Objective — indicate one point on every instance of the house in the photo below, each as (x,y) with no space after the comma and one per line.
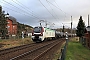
(12,26)
(87,37)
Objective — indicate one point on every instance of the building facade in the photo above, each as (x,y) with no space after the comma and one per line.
(12,26)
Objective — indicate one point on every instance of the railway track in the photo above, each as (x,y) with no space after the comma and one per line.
(35,54)
(7,54)
(8,50)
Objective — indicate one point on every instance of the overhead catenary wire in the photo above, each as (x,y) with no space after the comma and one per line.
(58,8)
(54,12)
(24,6)
(47,9)
(29,13)
(65,16)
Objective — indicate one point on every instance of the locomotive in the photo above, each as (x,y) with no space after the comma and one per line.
(40,34)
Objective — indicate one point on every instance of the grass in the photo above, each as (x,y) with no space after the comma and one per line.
(75,51)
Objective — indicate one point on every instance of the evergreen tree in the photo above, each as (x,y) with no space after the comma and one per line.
(80,28)
(3,23)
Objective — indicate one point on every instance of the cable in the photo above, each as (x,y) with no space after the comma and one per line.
(58,8)
(27,8)
(16,11)
(20,9)
(47,9)
(24,8)
(53,11)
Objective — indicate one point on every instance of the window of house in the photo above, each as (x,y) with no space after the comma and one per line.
(8,26)
(8,22)
(8,31)
(13,26)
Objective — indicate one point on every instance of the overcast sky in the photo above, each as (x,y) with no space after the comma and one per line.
(59,12)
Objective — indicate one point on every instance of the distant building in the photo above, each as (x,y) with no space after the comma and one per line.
(12,26)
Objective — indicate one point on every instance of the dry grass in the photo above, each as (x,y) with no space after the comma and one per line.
(12,43)
(58,53)
(74,39)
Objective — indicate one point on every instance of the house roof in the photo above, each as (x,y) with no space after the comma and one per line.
(13,19)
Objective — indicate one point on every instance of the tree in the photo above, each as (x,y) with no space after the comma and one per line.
(80,28)
(21,27)
(3,23)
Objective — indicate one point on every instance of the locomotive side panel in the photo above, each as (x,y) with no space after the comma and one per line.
(49,33)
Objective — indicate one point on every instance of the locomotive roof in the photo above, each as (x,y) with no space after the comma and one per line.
(43,27)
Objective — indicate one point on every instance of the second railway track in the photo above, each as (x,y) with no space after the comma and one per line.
(38,52)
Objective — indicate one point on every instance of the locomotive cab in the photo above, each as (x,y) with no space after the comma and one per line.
(37,34)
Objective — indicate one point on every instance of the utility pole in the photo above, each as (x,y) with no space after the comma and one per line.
(40,24)
(71,26)
(88,19)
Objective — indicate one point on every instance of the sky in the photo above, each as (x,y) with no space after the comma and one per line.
(55,13)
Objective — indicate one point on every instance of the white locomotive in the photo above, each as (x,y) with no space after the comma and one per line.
(40,34)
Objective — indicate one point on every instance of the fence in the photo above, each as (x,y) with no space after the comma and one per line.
(63,51)
(85,42)
(15,37)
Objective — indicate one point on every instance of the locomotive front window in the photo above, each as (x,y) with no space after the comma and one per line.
(37,29)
